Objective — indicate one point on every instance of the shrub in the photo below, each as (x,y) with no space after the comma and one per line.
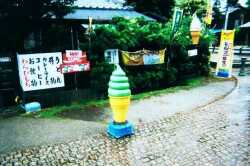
(136,34)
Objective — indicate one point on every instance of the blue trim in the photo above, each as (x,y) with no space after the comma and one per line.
(215,30)
(223,74)
(120,130)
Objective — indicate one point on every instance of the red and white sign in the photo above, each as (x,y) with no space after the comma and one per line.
(75,61)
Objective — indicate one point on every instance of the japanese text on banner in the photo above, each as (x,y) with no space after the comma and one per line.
(40,71)
(225,56)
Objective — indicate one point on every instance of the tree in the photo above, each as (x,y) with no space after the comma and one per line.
(217,4)
(232,2)
(159,9)
(248,4)
(217,15)
(192,6)
(20,17)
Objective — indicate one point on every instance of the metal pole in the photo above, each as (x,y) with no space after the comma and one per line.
(77,41)
(242,67)
(72,37)
(226,18)
(72,46)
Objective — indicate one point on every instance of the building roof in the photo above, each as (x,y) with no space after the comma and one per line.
(102,11)
(102,4)
(246,25)
(103,15)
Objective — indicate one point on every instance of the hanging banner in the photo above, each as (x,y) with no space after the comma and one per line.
(153,57)
(208,18)
(225,55)
(132,58)
(176,19)
(112,56)
(143,57)
(40,71)
(74,61)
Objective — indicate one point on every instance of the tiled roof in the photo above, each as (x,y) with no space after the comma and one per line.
(102,4)
(103,14)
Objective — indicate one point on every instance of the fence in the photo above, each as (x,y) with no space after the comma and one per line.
(239,52)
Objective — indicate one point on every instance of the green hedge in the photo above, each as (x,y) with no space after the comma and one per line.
(136,34)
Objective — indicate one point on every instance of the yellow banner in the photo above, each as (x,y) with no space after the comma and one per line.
(225,55)
(208,18)
(132,58)
(143,57)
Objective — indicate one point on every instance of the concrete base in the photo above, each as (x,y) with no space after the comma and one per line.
(120,130)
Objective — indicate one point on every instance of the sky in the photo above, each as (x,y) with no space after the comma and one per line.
(223,2)
(243,2)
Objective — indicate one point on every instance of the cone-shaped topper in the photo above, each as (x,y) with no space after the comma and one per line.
(118,84)
(195,24)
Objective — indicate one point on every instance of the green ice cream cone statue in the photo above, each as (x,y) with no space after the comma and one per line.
(119,98)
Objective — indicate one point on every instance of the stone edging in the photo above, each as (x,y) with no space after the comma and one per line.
(236,84)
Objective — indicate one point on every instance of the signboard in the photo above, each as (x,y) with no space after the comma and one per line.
(153,57)
(74,61)
(176,19)
(40,71)
(5,59)
(225,55)
(112,56)
(143,57)
(193,52)
(208,18)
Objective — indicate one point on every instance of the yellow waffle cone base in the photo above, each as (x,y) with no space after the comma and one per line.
(119,106)
(195,37)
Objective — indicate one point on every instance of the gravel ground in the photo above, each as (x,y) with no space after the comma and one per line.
(20,132)
(183,101)
(215,135)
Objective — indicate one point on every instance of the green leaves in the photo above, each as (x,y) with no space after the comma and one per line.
(136,34)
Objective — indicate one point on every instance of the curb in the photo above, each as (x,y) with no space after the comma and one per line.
(236,84)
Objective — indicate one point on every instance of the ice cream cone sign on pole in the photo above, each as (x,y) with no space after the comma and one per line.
(119,99)
(195,29)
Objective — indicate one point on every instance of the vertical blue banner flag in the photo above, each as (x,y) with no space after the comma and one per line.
(176,19)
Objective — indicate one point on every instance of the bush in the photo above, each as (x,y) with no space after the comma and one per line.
(136,34)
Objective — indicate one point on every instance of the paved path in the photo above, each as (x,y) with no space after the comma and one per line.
(157,107)
(20,132)
(217,134)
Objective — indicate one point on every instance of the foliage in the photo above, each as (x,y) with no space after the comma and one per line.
(56,111)
(136,34)
(248,4)
(19,18)
(232,2)
(159,9)
(192,6)
(217,17)
(99,78)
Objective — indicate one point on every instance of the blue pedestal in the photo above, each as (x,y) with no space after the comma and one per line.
(223,74)
(120,130)
(32,107)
